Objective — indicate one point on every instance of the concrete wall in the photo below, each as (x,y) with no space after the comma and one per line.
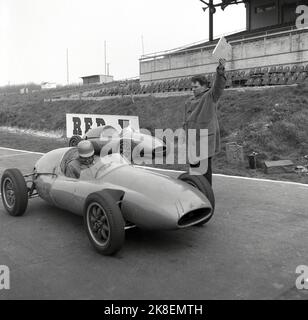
(105,78)
(280,49)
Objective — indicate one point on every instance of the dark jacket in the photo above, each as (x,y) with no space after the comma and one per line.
(201,112)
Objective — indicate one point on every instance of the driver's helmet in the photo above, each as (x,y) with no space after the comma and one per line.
(85,150)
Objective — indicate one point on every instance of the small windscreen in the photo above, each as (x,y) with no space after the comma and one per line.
(70,155)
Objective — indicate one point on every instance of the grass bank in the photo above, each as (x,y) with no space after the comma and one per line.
(273,122)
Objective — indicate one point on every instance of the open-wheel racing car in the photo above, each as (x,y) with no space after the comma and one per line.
(112,196)
(109,135)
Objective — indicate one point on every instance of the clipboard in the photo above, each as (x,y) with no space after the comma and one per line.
(223,50)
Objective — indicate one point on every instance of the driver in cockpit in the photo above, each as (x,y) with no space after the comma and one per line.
(84,161)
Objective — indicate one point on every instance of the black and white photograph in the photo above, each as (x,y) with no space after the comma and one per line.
(154,152)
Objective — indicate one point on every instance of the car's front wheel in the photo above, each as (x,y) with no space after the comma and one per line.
(14,192)
(104,223)
(203,185)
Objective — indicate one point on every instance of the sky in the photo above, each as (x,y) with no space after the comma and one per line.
(35,35)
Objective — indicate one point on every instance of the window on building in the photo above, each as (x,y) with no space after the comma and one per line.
(288,12)
(265,8)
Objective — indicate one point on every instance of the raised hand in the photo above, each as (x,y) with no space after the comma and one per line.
(222,62)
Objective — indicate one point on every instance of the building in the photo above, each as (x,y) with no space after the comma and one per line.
(24,90)
(266,13)
(48,85)
(271,39)
(97,78)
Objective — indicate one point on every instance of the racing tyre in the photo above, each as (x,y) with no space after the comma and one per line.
(14,192)
(74,140)
(203,185)
(104,223)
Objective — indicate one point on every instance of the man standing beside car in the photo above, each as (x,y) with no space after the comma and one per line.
(201,113)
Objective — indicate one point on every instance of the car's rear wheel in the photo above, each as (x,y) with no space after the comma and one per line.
(14,192)
(104,223)
(74,140)
(203,185)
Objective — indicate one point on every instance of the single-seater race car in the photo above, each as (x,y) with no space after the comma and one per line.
(108,135)
(112,195)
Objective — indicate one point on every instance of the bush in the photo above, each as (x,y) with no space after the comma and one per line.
(287,131)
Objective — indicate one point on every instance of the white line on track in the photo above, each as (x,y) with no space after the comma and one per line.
(235,177)
(177,171)
(24,151)
(13,155)
(262,180)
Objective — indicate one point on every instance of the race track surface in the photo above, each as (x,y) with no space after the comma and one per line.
(249,250)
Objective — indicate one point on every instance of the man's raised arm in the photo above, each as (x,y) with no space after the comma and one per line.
(219,82)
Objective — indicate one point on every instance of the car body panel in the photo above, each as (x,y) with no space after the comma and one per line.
(151,199)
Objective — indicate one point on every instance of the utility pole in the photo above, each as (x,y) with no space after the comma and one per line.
(108,68)
(105,57)
(142,44)
(212,10)
(209,4)
(67,68)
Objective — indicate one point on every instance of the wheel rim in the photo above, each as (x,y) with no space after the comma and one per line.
(8,193)
(98,224)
